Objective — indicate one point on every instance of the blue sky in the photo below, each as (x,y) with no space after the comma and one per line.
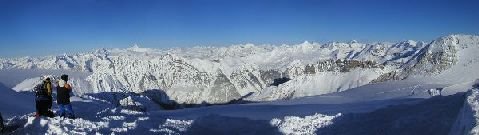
(50,27)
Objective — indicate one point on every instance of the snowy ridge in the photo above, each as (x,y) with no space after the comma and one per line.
(473,102)
(446,52)
(468,118)
(223,74)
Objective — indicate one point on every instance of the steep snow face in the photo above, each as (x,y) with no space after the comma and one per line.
(467,60)
(446,52)
(473,102)
(468,117)
(222,74)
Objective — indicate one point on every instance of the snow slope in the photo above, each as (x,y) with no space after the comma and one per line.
(120,113)
(13,103)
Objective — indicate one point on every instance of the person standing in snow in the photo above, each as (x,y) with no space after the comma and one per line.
(43,99)
(48,86)
(1,123)
(63,97)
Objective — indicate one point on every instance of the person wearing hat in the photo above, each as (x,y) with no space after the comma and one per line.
(63,97)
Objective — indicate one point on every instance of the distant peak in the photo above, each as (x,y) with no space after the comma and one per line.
(308,43)
(135,46)
(101,50)
(353,41)
(411,42)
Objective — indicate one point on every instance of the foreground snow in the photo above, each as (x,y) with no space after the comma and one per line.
(473,102)
(131,113)
(468,118)
(120,113)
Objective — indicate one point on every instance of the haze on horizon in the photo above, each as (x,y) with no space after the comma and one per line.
(36,28)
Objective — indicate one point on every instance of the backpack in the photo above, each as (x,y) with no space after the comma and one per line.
(41,90)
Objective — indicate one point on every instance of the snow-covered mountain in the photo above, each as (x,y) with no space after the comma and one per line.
(310,88)
(222,74)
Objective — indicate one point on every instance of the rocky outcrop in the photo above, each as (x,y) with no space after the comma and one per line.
(437,56)
(394,75)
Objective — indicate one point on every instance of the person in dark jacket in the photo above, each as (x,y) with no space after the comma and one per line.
(63,97)
(43,99)
(1,123)
(48,86)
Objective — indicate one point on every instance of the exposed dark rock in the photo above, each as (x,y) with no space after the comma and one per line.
(279,81)
(270,75)
(389,76)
